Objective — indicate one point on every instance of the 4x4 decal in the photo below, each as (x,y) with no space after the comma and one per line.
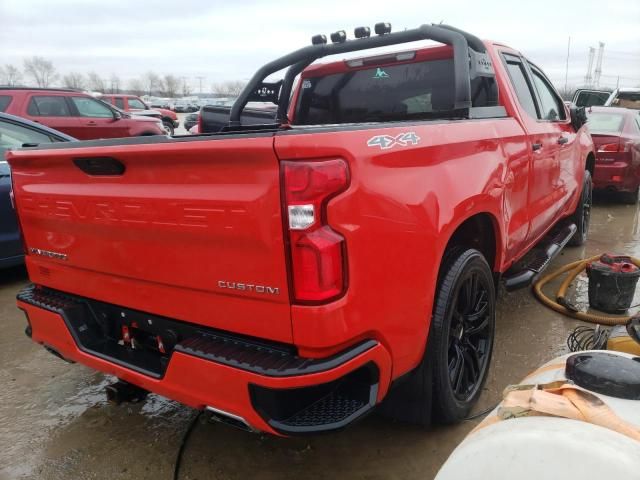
(388,141)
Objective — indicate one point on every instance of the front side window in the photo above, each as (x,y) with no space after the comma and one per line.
(14,136)
(521,85)
(552,107)
(5,100)
(48,106)
(136,104)
(89,107)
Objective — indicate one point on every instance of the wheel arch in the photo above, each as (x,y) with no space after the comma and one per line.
(590,164)
(480,231)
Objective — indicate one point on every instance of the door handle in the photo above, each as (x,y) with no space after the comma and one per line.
(92,123)
(536,146)
(563,140)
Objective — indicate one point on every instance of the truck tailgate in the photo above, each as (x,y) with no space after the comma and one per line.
(190,230)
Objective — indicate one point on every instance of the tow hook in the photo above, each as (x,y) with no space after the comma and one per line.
(121,392)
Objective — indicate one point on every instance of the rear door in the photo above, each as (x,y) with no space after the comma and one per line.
(96,119)
(190,230)
(54,111)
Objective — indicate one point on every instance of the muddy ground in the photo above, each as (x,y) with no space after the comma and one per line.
(56,424)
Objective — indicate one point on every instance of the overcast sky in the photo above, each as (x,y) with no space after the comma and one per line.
(228,40)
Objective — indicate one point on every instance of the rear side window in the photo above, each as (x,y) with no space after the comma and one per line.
(393,92)
(120,103)
(48,106)
(5,100)
(591,98)
(89,107)
(521,85)
(552,106)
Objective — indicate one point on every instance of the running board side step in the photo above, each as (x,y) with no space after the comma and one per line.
(527,272)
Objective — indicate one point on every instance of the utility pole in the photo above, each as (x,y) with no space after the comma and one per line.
(200,80)
(598,72)
(184,85)
(587,78)
(566,70)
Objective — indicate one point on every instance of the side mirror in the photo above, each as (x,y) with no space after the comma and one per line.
(116,115)
(578,117)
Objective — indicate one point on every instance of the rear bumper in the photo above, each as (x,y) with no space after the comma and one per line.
(266,390)
(619,176)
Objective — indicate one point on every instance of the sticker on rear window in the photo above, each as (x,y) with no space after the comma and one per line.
(306,84)
(388,141)
(380,73)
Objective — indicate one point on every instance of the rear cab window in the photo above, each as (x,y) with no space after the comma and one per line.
(419,90)
(48,106)
(119,102)
(5,100)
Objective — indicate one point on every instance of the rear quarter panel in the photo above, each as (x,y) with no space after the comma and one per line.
(397,216)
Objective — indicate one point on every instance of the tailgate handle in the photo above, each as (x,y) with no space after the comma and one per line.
(100,165)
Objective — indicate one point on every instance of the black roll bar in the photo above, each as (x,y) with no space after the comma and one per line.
(299,59)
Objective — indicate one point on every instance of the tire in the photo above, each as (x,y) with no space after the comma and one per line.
(168,126)
(434,391)
(630,198)
(582,216)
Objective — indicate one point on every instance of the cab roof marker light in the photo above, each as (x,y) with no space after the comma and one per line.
(358,62)
(405,56)
(362,32)
(339,37)
(319,39)
(382,28)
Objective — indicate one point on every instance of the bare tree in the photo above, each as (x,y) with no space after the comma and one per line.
(41,70)
(10,76)
(136,87)
(115,83)
(151,82)
(96,83)
(231,87)
(567,92)
(171,85)
(74,80)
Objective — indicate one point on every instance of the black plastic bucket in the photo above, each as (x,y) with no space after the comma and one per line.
(612,283)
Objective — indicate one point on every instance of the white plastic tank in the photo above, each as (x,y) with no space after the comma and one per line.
(550,447)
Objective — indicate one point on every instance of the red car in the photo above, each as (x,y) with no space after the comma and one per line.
(134,104)
(616,136)
(75,113)
(290,275)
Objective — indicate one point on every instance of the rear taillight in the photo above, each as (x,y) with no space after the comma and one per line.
(609,148)
(317,253)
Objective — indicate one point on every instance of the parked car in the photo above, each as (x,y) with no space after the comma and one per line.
(160,103)
(616,136)
(620,97)
(135,105)
(290,276)
(190,120)
(75,113)
(15,132)
(184,106)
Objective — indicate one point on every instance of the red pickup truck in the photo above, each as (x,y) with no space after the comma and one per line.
(134,104)
(291,275)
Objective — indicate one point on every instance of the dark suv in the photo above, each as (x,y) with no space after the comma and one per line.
(75,113)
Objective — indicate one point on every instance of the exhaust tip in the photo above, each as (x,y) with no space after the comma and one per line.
(230,419)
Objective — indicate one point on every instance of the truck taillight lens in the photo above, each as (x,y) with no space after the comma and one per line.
(609,148)
(317,253)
